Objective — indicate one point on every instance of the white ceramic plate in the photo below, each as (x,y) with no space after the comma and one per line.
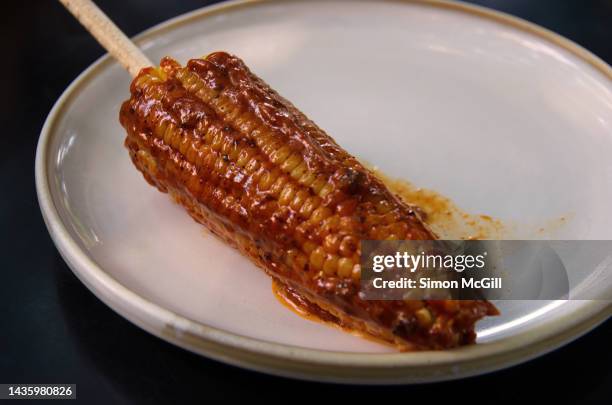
(502,116)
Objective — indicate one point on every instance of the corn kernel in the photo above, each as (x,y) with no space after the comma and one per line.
(317,257)
(331,265)
(345,267)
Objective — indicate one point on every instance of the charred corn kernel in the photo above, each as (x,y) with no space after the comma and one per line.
(161,128)
(356,272)
(317,258)
(345,267)
(330,224)
(372,220)
(331,243)
(280,155)
(320,214)
(414,305)
(252,165)
(286,195)
(451,306)
(233,153)
(309,247)
(299,171)
(150,163)
(168,135)
(325,190)
(209,134)
(383,206)
(266,180)
(377,232)
(291,163)
(217,140)
(309,206)
(330,267)
(307,178)
(346,208)
(347,224)
(349,245)
(268,145)
(246,126)
(278,185)
(223,105)
(424,317)
(243,157)
(318,184)
(300,263)
(298,200)
(290,256)
(192,151)
(227,146)
(140,81)
(220,165)
(389,218)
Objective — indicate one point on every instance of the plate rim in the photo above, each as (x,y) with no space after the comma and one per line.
(293,361)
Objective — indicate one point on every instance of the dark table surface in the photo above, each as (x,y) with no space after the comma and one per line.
(55,330)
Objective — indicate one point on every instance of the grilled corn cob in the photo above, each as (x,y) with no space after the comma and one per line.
(259,174)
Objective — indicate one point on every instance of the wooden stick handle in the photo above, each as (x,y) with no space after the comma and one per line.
(108,35)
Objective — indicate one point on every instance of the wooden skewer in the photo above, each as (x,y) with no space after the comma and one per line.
(108,35)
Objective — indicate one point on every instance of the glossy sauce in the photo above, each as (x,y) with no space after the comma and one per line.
(312,312)
(444,217)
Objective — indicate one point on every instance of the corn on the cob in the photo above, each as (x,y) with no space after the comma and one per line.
(252,168)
